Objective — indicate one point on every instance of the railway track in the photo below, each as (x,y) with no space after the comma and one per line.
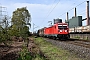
(78,42)
(79,47)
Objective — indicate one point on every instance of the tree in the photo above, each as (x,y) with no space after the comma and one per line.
(20,19)
(21,16)
(4,36)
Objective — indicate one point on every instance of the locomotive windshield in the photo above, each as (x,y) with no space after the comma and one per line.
(62,27)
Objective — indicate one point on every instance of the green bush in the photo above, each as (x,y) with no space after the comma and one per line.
(25,54)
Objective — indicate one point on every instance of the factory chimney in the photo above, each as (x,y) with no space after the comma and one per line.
(75,12)
(87,10)
(67,16)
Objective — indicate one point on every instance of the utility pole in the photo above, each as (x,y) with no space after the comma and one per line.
(33,27)
(1,14)
(1,10)
(4,24)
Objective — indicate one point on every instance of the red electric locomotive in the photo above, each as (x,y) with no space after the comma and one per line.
(58,30)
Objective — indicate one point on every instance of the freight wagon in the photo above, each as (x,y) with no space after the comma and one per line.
(82,29)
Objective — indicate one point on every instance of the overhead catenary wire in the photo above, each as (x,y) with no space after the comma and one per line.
(63,13)
(51,6)
(72,8)
(68,7)
(51,10)
(82,12)
(48,11)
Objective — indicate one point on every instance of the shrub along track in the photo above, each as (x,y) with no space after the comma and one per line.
(12,52)
(79,47)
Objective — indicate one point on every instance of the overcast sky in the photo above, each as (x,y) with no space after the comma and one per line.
(43,11)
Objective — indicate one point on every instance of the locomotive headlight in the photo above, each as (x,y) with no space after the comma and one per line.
(65,30)
(60,30)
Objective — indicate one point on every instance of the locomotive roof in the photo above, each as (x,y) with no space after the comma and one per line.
(52,25)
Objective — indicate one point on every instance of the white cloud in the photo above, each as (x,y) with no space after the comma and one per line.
(39,12)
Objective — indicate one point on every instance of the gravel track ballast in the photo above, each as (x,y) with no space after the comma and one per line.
(80,51)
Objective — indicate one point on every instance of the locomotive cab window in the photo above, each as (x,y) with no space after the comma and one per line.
(62,27)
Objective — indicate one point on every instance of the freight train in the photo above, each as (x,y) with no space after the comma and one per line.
(57,30)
